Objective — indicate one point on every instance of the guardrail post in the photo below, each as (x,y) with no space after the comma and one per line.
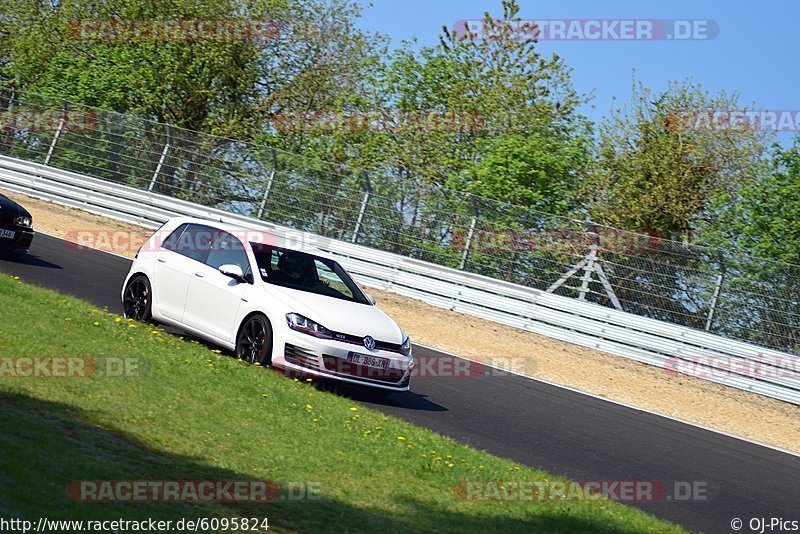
(270,181)
(59,129)
(364,202)
(161,160)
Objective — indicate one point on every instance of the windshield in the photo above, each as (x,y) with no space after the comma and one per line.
(305,272)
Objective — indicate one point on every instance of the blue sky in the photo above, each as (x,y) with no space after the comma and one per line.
(755,52)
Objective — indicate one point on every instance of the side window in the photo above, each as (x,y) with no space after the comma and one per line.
(171,242)
(328,277)
(194,242)
(228,249)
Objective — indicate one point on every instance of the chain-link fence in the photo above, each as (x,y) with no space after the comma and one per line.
(695,286)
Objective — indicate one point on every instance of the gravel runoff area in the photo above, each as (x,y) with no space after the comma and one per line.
(683,397)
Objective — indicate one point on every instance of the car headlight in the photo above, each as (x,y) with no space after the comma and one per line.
(405,348)
(26,222)
(307,326)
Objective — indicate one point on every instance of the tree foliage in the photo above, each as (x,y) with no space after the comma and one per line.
(656,172)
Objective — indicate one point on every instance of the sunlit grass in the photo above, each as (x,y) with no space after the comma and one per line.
(190,412)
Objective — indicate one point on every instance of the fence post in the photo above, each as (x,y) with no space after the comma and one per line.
(270,181)
(470,235)
(715,296)
(161,159)
(59,129)
(364,202)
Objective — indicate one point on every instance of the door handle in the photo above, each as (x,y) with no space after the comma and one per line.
(198,274)
(161,259)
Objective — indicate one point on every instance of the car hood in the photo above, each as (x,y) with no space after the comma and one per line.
(10,210)
(339,315)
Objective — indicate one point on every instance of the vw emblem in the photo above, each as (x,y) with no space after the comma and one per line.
(369,342)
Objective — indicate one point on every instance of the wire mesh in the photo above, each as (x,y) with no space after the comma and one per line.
(723,291)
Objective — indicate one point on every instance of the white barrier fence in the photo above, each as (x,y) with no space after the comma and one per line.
(675,348)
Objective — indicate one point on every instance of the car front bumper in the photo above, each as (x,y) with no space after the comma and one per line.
(21,241)
(303,354)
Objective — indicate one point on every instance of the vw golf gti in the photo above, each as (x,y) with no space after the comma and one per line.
(271,300)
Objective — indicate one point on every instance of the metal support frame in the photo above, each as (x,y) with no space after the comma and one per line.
(590,265)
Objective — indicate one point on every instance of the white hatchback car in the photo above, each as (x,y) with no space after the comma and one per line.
(271,301)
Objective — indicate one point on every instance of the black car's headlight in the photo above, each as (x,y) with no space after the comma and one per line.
(25,222)
(405,348)
(307,326)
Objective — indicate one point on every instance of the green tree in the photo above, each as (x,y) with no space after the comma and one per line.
(656,172)
(758,232)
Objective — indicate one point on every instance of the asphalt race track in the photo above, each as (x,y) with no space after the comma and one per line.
(533,423)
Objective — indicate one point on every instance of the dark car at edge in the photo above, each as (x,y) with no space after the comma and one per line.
(16,227)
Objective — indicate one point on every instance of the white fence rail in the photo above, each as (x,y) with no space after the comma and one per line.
(676,348)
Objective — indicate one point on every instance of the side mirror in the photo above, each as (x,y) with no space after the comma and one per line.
(370,298)
(234,271)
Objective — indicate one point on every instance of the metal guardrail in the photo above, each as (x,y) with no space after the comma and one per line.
(676,348)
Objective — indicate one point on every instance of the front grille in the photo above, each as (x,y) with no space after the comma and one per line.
(341,367)
(302,357)
(357,340)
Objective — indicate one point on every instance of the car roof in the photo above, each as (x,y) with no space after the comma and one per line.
(264,235)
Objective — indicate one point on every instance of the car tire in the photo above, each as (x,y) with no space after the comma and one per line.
(137,300)
(254,341)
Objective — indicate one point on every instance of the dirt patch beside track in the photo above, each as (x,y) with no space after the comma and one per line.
(688,398)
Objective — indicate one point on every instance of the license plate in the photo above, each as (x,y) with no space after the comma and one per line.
(8,234)
(369,361)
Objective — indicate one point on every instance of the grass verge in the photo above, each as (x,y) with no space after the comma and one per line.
(190,413)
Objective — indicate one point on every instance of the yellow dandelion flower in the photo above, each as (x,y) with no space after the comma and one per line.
(353,409)
(309,407)
(96,323)
(401,438)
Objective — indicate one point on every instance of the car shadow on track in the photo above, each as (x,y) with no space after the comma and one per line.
(407,400)
(28,259)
